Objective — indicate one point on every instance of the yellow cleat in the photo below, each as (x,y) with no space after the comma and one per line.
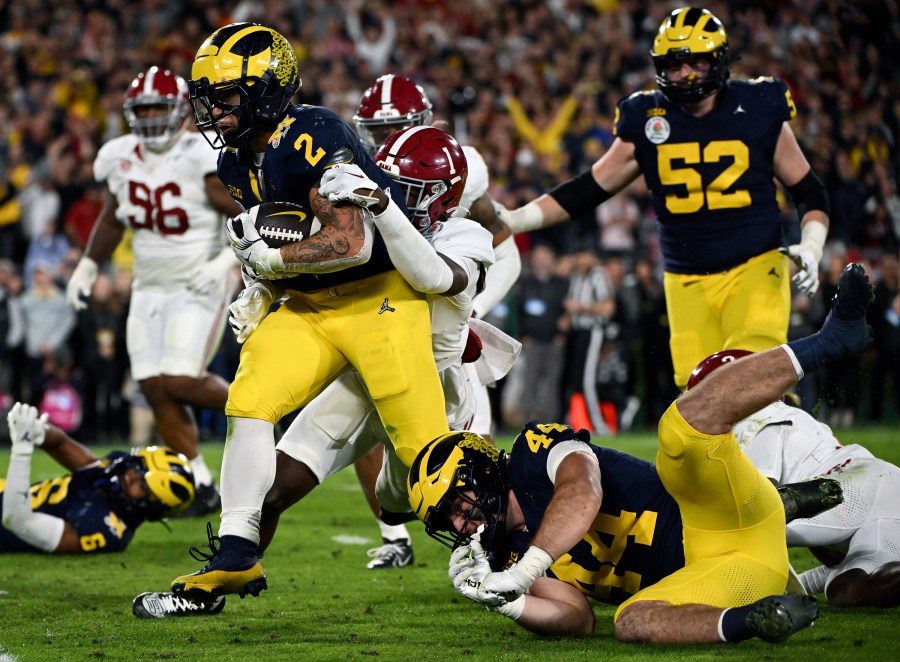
(226,572)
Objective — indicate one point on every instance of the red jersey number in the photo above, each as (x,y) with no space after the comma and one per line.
(156,216)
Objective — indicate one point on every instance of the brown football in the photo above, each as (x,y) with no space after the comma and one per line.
(280,223)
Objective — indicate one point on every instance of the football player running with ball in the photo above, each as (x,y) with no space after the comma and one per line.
(709,149)
(347,307)
(439,253)
(566,521)
(161,183)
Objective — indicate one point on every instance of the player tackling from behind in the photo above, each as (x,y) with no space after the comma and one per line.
(544,510)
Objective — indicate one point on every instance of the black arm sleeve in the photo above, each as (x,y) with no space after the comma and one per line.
(808,194)
(580,194)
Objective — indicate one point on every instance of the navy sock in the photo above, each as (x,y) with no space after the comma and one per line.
(810,351)
(237,544)
(845,332)
(733,624)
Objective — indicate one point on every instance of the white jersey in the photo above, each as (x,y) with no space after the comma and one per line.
(162,197)
(477,178)
(788,445)
(468,245)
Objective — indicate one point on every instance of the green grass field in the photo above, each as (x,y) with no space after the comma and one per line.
(323,604)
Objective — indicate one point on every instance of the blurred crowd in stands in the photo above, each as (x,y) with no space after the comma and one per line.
(533,85)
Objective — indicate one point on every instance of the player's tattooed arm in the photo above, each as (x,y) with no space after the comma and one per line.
(343,236)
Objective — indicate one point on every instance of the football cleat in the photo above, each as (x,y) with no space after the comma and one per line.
(227,571)
(808,498)
(391,554)
(777,617)
(207,502)
(164,605)
(845,331)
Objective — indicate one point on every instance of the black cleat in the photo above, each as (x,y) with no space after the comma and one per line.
(777,617)
(845,332)
(391,554)
(226,572)
(206,502)
(808,498)
(165,605)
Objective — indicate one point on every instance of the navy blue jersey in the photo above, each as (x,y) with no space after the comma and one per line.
(636,538)
(75,499)
(711,177)
(307,140)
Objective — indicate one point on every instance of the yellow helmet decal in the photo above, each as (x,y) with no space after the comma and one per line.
(221,58)
(692,29)
(169,477)
(427,489)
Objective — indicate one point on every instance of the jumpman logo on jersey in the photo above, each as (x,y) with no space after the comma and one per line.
(739,109)
(385,308)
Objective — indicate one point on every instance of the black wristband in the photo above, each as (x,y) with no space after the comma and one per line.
(579,194)
(808,194)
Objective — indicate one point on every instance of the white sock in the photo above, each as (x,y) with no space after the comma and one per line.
(794,361)
(248,471)
(397,532)
(814,580)
(202,475)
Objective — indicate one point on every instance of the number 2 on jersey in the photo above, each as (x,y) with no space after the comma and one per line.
(714,193)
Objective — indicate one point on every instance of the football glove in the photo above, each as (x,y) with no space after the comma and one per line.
(26,428)
(250,308)
(250,248)
(81,282)
(468,567)
(204,278)
(518,578)
(806,256)
(346,182)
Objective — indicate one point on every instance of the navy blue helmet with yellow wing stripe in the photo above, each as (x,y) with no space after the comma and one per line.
(690,33)
(243,69)
(463,475)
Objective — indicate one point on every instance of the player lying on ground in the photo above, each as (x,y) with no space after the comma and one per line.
(98,507)
(857,542)
(564,530)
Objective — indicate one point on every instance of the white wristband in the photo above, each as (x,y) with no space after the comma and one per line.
(812,237)
(535,561)
(512,609)
(525,219)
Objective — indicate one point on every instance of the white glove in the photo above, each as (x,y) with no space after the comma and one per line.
(204,278)
(250,248)
(807,255)
(468,568)
(250,308)
(343,183)
(26,428)
(81,282)
(517,579)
